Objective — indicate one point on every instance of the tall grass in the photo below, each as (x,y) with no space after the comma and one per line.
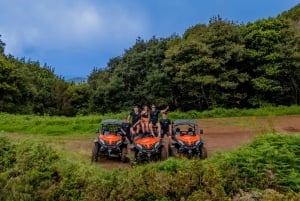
(53,125)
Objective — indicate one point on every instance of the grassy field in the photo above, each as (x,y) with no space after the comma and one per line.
(81,125)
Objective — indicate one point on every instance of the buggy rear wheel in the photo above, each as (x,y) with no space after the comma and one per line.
(203,152)
(95,152)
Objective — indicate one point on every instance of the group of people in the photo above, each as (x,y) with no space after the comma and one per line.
(146,121)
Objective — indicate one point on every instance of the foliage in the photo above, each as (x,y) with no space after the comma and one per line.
(293,14)
(7,155)
(204,62)
(270,161)
(222,64)
(272,61)
(28,88)
(135,78)
(266,169)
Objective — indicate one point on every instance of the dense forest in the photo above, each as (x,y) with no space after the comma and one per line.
(219,64)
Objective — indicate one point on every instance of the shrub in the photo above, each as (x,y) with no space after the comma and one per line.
(7,154)
(266,169)
(270,161)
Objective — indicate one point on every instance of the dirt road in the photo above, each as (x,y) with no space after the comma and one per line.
(219,134)
(229,133)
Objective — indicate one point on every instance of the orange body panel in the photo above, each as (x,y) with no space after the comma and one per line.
(188,139)
(147,141)
(111,138)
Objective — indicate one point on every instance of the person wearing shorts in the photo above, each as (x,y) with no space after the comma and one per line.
(135,122)
(154,112)
(166,125)
(166,131)
(145,117)
(125,129)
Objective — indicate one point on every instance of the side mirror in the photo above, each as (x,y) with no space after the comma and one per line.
(201,131)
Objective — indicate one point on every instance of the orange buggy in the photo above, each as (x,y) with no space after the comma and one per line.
(187,139)
(109,141)
(149,148)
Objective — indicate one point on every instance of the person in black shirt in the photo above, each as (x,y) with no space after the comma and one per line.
(135,122)
(125,129)
(166,125)
(166,134)
(154,112)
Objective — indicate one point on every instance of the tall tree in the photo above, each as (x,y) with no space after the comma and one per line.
(135,78)
(273,59)
(205,66)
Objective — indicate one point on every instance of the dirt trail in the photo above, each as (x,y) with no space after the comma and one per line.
(219,134)
(229,133)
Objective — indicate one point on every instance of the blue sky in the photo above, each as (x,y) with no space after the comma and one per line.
(74,36)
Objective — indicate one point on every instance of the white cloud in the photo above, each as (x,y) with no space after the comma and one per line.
(43,25)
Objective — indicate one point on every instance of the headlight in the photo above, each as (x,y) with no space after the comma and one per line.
(197,143)
(180,142)
(157,145)
(119,143)
(140,147)
(101,141)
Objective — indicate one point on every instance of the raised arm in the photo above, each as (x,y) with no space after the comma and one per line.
(164,110)
(128,117)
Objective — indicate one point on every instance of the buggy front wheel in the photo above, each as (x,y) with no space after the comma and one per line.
(203,152)
(123,154)
(95,152)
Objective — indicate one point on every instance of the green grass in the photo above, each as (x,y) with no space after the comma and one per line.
(266,169)
(52,125)
(80,125)
(235,112)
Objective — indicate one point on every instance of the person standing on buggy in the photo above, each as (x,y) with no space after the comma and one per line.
(154,112)
(135,122)
(145,116)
